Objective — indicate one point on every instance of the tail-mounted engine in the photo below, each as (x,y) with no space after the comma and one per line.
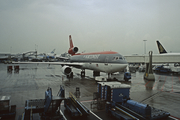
(73,50)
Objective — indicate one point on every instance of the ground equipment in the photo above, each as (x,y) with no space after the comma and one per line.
(74,107)
(119,104)
(162,69)
(127,76)
(7,111)
(48,108)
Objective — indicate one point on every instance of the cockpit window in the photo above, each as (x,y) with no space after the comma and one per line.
(118,58)
(115,58)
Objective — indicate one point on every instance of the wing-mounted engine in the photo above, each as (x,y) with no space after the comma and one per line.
(73,50)
(66,70)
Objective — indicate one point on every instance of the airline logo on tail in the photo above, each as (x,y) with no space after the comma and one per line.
(160,48)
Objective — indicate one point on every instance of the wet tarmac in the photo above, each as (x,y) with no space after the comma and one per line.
(32,80)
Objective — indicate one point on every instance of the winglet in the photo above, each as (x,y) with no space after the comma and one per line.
(161,48)
(70,41)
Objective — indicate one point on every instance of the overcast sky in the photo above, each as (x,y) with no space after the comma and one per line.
(95,25)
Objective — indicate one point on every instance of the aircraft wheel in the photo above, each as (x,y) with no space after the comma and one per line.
(71,75)
(82,73)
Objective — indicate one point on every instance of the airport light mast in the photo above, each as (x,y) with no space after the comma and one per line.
(144,46)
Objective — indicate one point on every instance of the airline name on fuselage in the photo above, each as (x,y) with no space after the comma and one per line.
(91,56)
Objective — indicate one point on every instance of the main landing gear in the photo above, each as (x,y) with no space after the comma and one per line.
(96,73)
(83,73)
(70,75)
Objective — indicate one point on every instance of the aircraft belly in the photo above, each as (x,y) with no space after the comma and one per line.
(93,66)
(102,67)
(111,68)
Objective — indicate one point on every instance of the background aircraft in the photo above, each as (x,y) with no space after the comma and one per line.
(106,61)
(51,55)
(5,56)
(162,50)
(174,67)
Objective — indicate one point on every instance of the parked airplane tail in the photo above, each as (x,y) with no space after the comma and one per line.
(70,42)
(161,48)
(53,51)
(72,50)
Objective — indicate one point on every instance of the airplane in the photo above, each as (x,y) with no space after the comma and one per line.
(5,56)
(8,57)
(162,50)
(107,61)
(51,55)
(43,57)
(39,57)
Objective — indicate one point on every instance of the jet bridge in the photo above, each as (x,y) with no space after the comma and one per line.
(152,59)
(156,58)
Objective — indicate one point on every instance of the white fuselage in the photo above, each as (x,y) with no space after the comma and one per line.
(102,67)
(101,62)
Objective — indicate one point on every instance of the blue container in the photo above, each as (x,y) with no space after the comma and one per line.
(142,109)
(113,91)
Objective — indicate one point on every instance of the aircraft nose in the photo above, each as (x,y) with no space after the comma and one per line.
(124,61)
(125,65)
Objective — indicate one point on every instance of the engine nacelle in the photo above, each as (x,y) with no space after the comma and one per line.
(73,50)
(66,70)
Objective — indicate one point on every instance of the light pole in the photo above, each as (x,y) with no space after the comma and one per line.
(144,46)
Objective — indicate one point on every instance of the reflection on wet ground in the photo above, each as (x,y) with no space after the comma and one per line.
(31,81)
(149,84)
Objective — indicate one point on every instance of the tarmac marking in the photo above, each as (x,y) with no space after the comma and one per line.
(174,93)
(63,115)
(95,115)
(172,83)
(147,83)
(87,101)
(164,84)
(154,84)
(174,118)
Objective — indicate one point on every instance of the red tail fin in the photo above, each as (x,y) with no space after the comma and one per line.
(70,41)
(72,50)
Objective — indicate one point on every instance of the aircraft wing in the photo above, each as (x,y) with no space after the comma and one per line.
(64,58)
(76,65)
